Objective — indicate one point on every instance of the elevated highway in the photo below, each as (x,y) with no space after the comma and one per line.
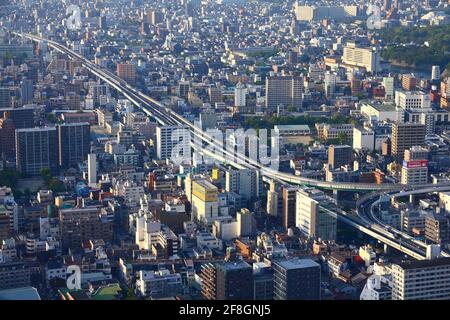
(165,116)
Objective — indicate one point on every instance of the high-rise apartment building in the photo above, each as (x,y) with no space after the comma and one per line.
(215,95)
(36,149)
(284,90)
(240,94)
(406,135)
(415,166)
(437,228)
(7,138)
(92,169)
(388,84)
(154,16)
(99,92)
(421,280)
(289,209)
(127,72)
(409,82)
(244,182)
(435,73)
(26,91)
(14,275)
(81,224)
(445,93)
(227,281)
(23,117)
(170,137)
(74,143)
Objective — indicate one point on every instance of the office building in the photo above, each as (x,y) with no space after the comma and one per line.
(416,153)
(312,221)
(284,90)
(406,135)
(335,131)
(317,13)
(367,58)
(296,279)
(381,111)
(363,139)
(414,172)
(170,137)
(415,166)
(412,100)
(74,143)
(340,155)
(421,280)
(205,204)
(36,149)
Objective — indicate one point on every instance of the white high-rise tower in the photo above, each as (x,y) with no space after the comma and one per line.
(240,93)
(92,169)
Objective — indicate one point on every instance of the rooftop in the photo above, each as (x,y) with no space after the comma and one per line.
(297,263)
(24,293)
(416,264)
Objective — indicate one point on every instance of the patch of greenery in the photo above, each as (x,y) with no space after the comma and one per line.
(52,183)
(9,178)
(406,45)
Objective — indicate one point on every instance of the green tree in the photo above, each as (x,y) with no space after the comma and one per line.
(46,175)
(9,178)
(342,137)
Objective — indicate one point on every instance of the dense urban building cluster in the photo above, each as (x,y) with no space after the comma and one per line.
(90,189)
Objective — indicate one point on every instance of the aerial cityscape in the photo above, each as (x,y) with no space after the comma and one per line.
(225,150)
